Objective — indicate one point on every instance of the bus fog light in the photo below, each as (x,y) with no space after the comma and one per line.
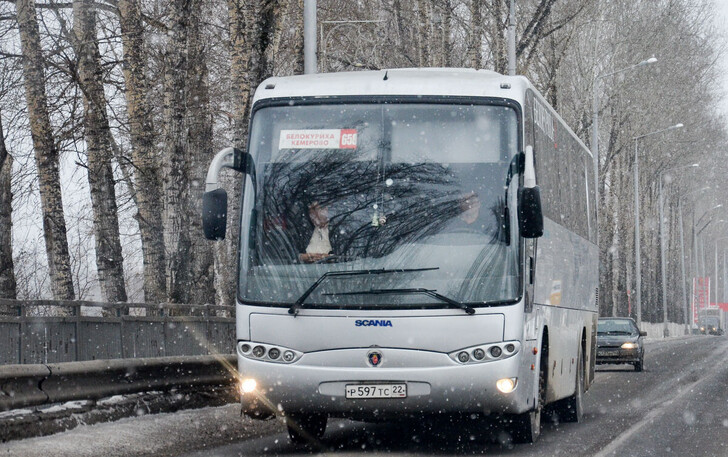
(478,354)
(248,386)
(463,357)
(259,351)
(496,351)
(288,356)
(506,385)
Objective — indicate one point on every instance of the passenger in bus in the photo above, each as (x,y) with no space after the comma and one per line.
(319,246)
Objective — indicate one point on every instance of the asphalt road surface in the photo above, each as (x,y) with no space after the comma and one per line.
(677,406)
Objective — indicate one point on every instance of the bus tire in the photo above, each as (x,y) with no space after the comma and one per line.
(305,428)
(571,409)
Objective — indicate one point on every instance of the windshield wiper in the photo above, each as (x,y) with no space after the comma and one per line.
(419,290)
(299,303)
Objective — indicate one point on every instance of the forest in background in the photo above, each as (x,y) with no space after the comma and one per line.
(110,111)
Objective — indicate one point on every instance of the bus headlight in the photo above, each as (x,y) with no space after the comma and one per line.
(506,385)
(264,352)
(486,352)
(629,346)
(248,385)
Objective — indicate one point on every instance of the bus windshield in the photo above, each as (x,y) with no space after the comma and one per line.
(423,187)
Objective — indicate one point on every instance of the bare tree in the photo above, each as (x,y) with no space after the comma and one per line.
(199,140)
(7,272)
(176,154)
(46,153)
(475,35)
(109,259)
(147,176)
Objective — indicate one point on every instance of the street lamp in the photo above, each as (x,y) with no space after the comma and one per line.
(638,267)
(682,256)
(595,112)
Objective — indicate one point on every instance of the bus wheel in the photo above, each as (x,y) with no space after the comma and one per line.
(571,409)
(527,426)
(305,428)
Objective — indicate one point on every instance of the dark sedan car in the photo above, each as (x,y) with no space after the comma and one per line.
(620,341)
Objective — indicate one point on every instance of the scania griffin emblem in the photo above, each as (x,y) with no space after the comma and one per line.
(375,358)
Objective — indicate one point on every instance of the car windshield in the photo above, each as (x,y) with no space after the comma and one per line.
(381,186)
(616,327)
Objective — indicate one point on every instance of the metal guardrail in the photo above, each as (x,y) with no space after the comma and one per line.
(33,385)
(162,331)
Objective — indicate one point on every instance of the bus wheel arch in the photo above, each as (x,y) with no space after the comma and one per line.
(526,427)
(571,408)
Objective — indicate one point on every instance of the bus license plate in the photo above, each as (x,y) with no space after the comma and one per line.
(376,390)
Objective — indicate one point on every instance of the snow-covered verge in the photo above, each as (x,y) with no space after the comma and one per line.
(165,434)
(657,331)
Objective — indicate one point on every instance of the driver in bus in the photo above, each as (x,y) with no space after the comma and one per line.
(319,247)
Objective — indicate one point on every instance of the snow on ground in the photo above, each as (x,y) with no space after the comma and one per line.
(157,435)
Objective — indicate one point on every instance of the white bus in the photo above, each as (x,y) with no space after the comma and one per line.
(395,256)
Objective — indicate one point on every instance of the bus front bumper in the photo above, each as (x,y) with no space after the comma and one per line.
(445,387)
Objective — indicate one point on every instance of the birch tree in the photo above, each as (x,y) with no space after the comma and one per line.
(176,156)
(46,153)
(7,271)
(109,259)
(199,141)
(147,172)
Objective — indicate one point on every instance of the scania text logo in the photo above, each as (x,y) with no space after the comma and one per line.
(373,323)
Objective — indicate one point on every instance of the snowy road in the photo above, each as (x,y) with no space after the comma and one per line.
(678,406)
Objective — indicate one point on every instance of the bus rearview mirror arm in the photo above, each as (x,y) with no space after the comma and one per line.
(530,214)
(214,200)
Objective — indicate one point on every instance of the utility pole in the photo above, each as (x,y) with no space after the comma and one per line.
(512,39)
(309,37)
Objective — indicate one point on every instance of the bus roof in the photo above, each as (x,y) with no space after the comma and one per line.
(405,81)
(454,82)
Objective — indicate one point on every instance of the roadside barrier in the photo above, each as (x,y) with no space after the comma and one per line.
(34,385)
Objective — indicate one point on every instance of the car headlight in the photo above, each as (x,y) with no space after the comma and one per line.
(630,346)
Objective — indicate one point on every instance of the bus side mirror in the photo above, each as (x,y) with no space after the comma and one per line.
(530,216)
(214,214)
(643,333)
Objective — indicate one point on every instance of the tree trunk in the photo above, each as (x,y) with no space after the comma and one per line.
(446,31)
(475,35)
(176,157)
(147,179)
(199,139)
(46,154)
(7,272)
(423,29)
(109,258)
